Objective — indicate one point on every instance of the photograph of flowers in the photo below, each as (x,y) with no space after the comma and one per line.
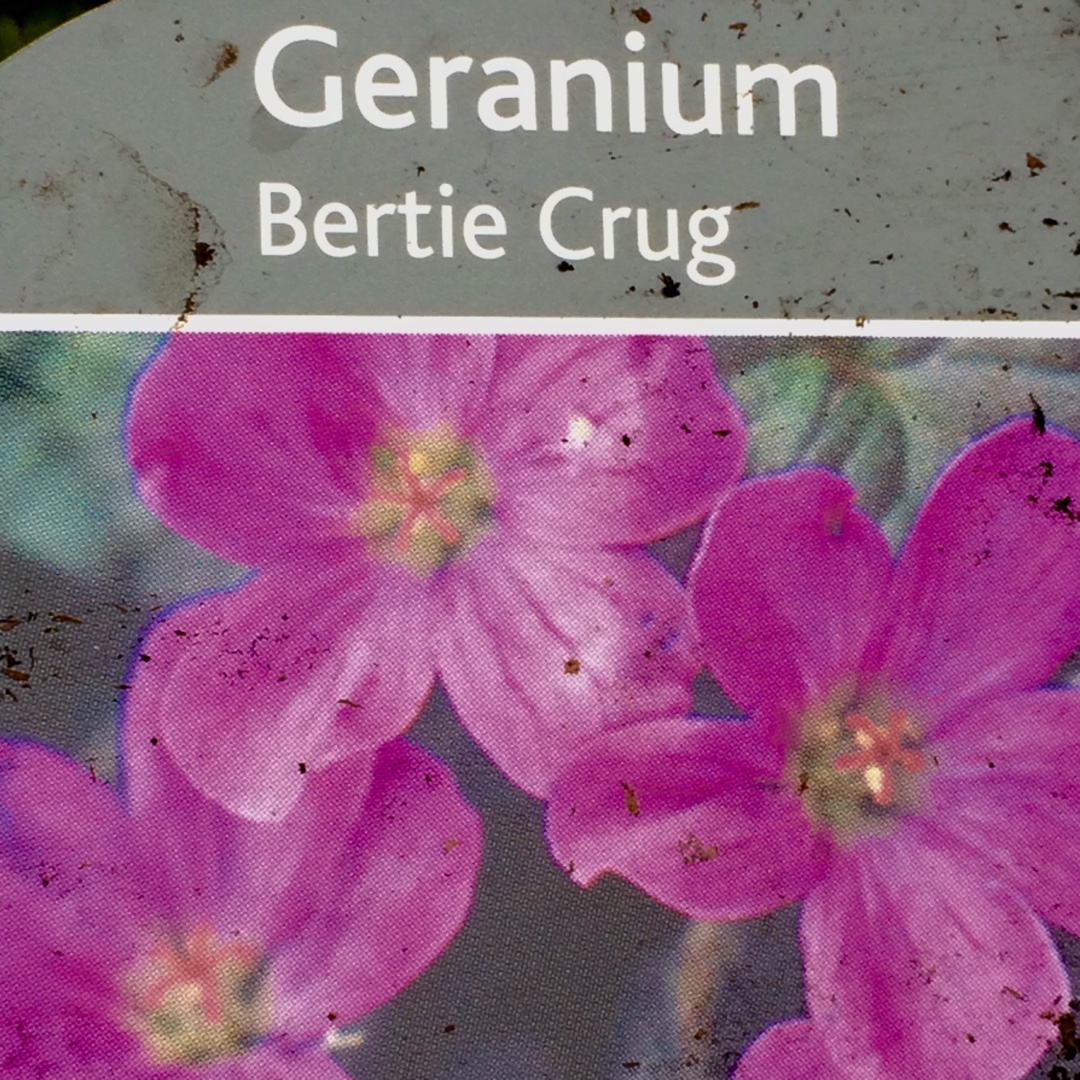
(390,705)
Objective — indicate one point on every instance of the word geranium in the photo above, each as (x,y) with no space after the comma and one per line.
(421,506)
(904,770)
(169,939)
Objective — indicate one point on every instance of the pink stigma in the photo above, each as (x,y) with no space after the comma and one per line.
(883,750)
(420,502)
(195,963)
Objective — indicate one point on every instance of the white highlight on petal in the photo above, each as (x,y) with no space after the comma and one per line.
(579,432)
(336,1039)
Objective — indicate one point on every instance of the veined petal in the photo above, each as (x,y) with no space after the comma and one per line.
(792,1050)
(423,381)
(382,899)
(1008,787)
(540,649)
(253,445)
(610,440)
(253,689)
(917,966)
(787,589)
(987,591)
(232,872)
(691,811)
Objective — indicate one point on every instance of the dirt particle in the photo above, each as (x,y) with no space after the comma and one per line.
(633,807)
(227,56)
(670,287)
(1006,227)
(571,666)
(1006,176)
(641,14)
(565,267)
(191,305)
(331,1016)
(722,433)
(1066,1025)
(1050,222)
(204,254)
(449,844)
(1034,164)
(144,657)
(694,852)
(970,1037)
(860,321)
(1063,506)
(303,767)
(1038,417)
(741,28)
(626,440)
(153,740)
(348,701)
(750,204)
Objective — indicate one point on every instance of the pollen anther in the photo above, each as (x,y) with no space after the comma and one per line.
(880,749)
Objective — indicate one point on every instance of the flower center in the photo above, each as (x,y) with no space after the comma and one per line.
(428,500)
(881,750)
(197,999)
(857,765)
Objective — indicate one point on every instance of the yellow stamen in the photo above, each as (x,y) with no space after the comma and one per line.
(875,779)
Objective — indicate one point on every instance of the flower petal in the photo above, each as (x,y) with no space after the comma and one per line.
(787,589)
(1008,787)
(610,440)
(210,865)
(252,689)
(65,838)
(988,586)
(540,649)
(423,381)
(253,445)
(792,1050)
(916,965)
(275,1063)
(691,811)
(41,1038)
(377,902)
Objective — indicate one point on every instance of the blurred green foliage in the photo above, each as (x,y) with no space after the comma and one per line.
(889,413)
(66,494)
(23,21)
(64,483)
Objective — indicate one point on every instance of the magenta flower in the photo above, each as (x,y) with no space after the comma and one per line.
(174,941)
(419,506)
(904,771)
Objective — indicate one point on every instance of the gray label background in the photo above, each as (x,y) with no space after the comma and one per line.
(132,144)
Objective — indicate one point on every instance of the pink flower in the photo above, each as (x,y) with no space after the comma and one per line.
(459,506)
(175,941)
(904,771)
